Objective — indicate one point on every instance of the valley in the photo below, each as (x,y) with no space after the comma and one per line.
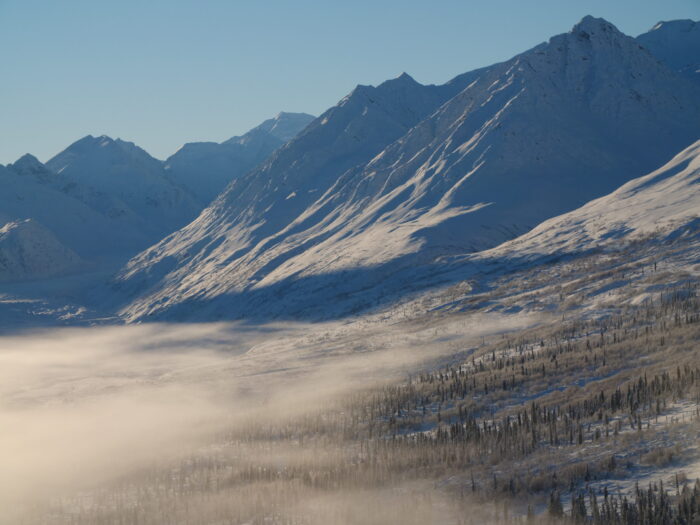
(465,303)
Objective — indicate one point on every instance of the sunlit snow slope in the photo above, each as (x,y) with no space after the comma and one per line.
(399,175)
(665,202)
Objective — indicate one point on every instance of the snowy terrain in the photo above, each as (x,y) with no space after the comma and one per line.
(524,239)
(662,204)
(206,168)
(95,169)
(31,191)
(677,43)
(399,175)
(30,251)
(104,200)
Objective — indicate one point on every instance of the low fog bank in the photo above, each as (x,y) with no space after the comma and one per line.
(82,407)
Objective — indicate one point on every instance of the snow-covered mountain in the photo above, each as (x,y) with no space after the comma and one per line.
(29,251)
(296,175)
(284,127)
(663,204)
(106,200)
(31,191)
(398,175)
(100,200)
(677,43)
(104,172)
(206,168)
(29,166)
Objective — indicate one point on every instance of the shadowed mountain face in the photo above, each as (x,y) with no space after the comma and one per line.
(100,167)
(395,176)
(30,251)
(103,200)
(206,168)
(82,219)
(677,44)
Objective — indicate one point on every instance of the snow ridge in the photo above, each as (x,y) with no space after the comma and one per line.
(665,201)
(676,43)
(206,168)
(401,174)
(94,167)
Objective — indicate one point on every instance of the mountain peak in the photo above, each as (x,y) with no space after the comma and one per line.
(27,160)
(284,126)
(206,168)
(88,142)
(91,145)
(90,155)
(286,115)
(28,164)
(402,81)
(590,25)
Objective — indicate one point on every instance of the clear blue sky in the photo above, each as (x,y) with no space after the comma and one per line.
(161,73)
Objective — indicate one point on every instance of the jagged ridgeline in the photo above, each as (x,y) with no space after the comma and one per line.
(395,176)
(105,200)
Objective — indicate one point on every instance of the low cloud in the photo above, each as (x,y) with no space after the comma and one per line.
(80,408)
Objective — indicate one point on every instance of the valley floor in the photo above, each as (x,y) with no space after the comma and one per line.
(540,394)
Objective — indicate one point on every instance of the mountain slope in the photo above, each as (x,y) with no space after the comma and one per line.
(118,222)
(29,166)
(559,125)
(677,43)
(99,168)
(666,202)
(29,251)
(108,199)
(284,127)
(266,199)
(30,191)
(205,168)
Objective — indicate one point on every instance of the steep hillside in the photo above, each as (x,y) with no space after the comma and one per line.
(397,176)
(296,175)
(677,43)
(29,251)
(100,167)
(666,202)
(31,191)
(205,168)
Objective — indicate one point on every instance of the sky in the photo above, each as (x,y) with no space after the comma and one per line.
(164,72)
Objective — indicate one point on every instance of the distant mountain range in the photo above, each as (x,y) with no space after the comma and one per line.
(104,200)
(205,168)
